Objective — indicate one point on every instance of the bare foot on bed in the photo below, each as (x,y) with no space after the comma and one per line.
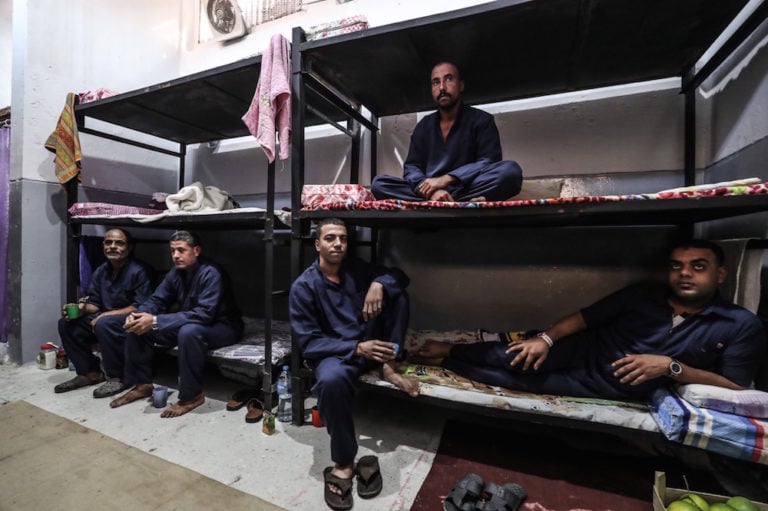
(137,392)
(478,199)
(182,407)
(407,385)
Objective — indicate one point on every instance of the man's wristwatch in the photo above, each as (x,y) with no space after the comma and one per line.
(675,368)
(155,328)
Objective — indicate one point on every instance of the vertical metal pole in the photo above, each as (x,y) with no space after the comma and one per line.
(73,245)
(182,164)
(298,106)
(354,166)
(269,263)
(690,148)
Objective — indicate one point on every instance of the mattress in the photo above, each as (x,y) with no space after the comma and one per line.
(104,210)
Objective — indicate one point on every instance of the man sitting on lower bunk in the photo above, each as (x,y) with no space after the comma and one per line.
(207,318)
(349,317)
(631,342)
(455,153)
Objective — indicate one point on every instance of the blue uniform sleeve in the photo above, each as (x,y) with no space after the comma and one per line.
(394,280)
(305,318)
(142,285)
(745,353)
(201,305)
(414,167)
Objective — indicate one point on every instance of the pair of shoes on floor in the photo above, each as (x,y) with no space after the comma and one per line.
(471,494)
(77,382)
(369,484)
(241,398)
(254,411)
(111,387)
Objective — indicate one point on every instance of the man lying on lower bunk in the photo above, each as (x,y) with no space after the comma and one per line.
(631,342)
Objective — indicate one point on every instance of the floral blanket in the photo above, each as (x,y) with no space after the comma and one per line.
(335,202)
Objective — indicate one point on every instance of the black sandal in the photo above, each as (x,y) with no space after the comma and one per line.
(465,494)
(369,481)
(502,498)
(240,398)
(335,501)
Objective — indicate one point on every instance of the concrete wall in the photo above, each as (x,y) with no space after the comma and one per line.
(629,137)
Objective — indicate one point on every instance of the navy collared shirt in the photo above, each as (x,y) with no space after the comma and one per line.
(326,316)
(472,144)
(131,286)
(203,293)
(722,338)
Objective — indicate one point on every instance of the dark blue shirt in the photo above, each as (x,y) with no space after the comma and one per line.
(327,317)
(131,286)
(203,293)
(471,145)
(722,338)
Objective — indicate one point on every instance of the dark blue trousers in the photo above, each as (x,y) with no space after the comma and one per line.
(337,379)
(497,181)
(193,339)
(78,339)
(564,372)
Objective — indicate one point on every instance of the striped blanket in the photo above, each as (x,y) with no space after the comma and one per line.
(731,435)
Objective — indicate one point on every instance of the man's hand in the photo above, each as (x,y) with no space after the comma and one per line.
(531,352)
(138,323)
(441,196)
(380,351)
(430,185)
(374,301)
(637,369)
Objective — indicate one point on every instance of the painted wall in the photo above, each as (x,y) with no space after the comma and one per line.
(6,54)
(613,133)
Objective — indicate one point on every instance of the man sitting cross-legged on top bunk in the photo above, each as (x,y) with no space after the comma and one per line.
(455,153)
(117,287)
(207,318)
(630,343)
(349,316)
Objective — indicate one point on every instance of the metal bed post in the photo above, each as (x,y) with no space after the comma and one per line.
(74,232)
(298,107)
(269,258)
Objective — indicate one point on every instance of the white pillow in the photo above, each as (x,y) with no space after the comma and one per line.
(749,402)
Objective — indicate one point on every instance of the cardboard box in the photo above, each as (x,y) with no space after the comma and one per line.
(663,496)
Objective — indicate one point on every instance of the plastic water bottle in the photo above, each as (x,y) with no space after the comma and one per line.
(284,412)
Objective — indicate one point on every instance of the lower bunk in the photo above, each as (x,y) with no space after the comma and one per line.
(724,423)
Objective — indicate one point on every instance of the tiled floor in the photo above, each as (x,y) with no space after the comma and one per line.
(284,468)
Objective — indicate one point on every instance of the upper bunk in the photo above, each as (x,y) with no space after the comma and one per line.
(514,49)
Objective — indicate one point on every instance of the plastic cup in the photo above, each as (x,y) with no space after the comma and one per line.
(73,310)
(160,396)
(317,421)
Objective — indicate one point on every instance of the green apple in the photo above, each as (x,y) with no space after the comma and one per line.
(741,504)
(682,505)
(698,500)
(719,506)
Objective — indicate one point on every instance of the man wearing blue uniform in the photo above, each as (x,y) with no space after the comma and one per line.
(349,317)
(117,287)
(455,153)
(631,342)
(207,318)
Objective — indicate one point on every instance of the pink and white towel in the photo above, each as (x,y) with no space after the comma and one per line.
(270,109)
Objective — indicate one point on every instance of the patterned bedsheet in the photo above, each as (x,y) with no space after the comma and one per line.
(731,435)
(397,205)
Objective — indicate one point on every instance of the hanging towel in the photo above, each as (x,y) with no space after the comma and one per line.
(65,142)
(196,197)
(270,109)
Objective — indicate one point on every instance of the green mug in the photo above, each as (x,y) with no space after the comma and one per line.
(73,310)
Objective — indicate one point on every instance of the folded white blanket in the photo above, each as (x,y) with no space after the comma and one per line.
(197,197)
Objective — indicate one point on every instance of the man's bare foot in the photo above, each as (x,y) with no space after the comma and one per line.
(407,385)
(342,472)
(182,407)
(137,392)
(435,349)
(477,199)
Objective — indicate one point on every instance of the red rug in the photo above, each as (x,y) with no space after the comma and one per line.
(589,471)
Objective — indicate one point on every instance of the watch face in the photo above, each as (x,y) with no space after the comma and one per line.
(675,368)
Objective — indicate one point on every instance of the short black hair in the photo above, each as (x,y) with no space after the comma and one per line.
(704,244)
(449,62)
(328,221)
(190,238)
